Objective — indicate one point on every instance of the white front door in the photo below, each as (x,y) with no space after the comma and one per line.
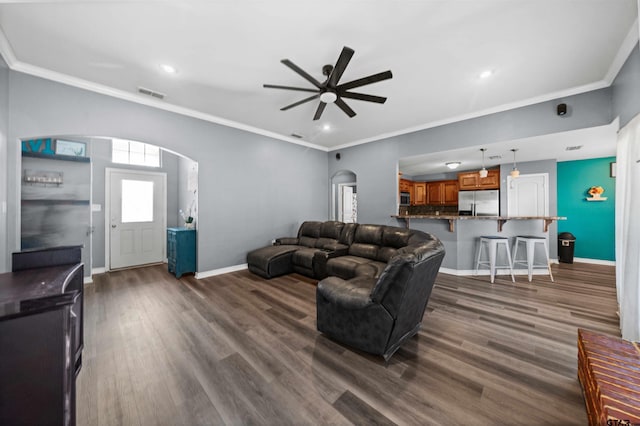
(136,217)
(528,195)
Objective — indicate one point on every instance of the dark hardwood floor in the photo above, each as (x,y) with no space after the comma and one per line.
(237,349)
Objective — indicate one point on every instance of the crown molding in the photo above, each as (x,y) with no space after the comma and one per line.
(14,64)
(623,53)
(627,46)
(500,108)
(18,66)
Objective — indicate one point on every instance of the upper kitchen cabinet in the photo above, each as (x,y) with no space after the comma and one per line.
(405,185)
(472,180)
(443,192)
(419,194)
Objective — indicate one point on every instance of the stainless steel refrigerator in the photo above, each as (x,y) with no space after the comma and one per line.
(479,203)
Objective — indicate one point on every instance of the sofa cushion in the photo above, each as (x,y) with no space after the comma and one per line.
(304,257)
(369,234)
(345,266)
(271,261)
(331,229)
(370,269)
(309,233)
(326,243)
(348,233)
(368,251)
(395,237)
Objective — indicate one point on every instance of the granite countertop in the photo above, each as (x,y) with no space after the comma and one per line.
(547,220)
(35,289)
(458,217)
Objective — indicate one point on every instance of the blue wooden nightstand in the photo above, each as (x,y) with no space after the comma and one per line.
(181,250)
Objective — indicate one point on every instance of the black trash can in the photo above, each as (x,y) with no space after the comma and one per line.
(566,246)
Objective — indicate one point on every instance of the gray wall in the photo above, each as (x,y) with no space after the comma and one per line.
(4,114)
(626,89)
(251,188)
(436,176)
(100,151)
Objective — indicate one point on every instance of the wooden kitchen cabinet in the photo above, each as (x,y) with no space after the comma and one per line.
(419,196)
(472,180)
(450,192)
(405,185)
(443,192)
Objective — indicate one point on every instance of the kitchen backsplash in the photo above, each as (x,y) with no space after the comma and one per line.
(414,210)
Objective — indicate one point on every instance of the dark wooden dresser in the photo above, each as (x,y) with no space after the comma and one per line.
(41,336)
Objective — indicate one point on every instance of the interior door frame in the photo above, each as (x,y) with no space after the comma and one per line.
(107,208)
(340,216)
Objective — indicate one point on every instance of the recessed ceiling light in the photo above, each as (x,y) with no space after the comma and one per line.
(453,165)
(168,69)
(486,73)
(326,127)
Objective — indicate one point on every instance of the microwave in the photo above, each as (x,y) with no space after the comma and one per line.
(405,199)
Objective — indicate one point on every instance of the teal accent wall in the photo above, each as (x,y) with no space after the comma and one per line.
(592,222)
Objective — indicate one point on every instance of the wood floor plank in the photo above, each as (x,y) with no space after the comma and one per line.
(238,349)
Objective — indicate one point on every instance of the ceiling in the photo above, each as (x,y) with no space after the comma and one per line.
(225,50)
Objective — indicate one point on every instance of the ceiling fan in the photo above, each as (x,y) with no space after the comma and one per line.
(330,91)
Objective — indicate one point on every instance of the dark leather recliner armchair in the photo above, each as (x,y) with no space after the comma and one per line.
(377,315)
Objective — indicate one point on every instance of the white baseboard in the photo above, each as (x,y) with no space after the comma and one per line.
(87,280)
(471,272)
(594,261)
(214,272)
(98,271)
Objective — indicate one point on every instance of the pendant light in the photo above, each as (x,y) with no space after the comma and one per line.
(483,172)
(514,172)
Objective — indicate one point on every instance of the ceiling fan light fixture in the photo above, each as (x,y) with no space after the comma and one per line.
(453,165)
(328,97)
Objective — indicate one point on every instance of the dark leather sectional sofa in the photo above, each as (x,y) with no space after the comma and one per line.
(375,280)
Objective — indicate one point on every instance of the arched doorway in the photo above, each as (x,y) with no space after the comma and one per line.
(344,196)
(85,196)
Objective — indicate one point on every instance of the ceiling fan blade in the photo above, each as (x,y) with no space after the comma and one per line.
(363,97)
(302,72)
(301,89)
(319,111)
(365,80)
(341,65)
(343,106)
(295,104)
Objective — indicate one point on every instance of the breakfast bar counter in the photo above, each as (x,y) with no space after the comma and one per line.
(500,220)
(461,234)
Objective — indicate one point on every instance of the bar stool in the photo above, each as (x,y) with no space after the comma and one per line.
(530,245)
(492,242)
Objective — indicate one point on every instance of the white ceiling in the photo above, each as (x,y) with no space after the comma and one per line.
(225,50)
